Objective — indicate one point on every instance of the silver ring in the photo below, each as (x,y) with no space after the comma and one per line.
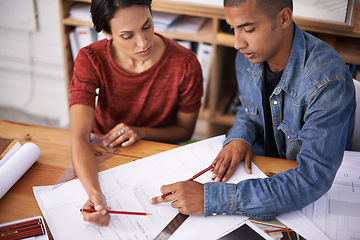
(120,132)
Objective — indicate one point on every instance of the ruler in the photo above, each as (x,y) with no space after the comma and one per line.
(172,226)
(69,172)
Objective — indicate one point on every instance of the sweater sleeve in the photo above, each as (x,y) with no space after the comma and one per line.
(85,79)
(191,85)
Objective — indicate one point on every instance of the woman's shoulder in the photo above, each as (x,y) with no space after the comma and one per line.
(95,48)
(174,48)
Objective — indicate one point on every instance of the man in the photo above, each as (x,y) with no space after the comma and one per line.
(298,102)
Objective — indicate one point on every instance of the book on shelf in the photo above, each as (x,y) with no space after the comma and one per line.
(204,55)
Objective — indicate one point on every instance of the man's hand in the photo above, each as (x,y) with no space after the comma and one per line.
(101,217)
(187,197)
(229,158)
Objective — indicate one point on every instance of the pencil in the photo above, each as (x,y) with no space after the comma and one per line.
(195,176)
(115,212)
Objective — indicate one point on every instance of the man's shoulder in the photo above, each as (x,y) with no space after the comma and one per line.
(322,62)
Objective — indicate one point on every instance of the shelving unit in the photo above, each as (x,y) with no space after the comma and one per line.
(222,82)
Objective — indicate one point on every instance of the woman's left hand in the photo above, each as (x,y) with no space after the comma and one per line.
(122,134)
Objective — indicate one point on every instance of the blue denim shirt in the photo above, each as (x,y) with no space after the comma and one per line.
(313,109)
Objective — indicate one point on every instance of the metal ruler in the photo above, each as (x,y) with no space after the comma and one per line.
(172,226)
(69,172)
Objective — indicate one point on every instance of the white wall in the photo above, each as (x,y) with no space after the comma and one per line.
(32,75)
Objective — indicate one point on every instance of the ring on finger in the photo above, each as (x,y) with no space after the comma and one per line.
(120,132)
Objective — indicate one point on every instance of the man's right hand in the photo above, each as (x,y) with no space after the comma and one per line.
(97,202)
(229,158)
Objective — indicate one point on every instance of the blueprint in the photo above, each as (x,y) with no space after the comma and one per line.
(337,213)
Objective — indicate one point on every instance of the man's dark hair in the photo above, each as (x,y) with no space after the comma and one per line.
(269,7)
(102,11)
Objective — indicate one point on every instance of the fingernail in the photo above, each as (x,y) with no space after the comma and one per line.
(217,179)
(111,145)
(98,207)
(213,175)
(105,143)
(103,212)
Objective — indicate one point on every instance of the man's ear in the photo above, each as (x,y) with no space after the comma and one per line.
(286,17)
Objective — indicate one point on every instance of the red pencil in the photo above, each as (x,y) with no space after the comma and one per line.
(195,176)
(115,212)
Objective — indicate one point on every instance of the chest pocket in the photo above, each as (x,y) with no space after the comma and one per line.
(293,142)
(249,108)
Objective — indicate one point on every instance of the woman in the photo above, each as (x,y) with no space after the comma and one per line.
(149,88)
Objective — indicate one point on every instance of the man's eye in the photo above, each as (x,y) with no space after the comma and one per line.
(250,30)
(146,27)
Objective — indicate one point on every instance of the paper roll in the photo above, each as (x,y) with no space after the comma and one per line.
(17,165)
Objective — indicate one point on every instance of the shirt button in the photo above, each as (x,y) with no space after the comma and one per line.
(214,214)
(246,110)
(288,137)
(275,102)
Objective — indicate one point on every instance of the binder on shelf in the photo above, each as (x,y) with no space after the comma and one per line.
(185,44)
(85,36)
(204,55)
(74,45)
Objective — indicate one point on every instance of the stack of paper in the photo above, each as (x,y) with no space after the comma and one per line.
(187,24)
(81,12)
(163,21)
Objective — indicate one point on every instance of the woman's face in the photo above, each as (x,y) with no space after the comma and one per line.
(133,32)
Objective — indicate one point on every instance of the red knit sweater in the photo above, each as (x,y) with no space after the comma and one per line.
(149,99)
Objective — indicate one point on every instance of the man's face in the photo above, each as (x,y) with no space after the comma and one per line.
(257,36)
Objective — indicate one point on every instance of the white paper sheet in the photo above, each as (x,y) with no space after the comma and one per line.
(16,165)
(337,213)
(131,186)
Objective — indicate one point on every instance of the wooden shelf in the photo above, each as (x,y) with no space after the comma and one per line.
(205,34)
(222,82)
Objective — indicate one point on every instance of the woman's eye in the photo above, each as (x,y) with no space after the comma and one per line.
(127,37)
(146,27)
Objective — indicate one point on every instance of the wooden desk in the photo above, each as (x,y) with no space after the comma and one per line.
(19,202)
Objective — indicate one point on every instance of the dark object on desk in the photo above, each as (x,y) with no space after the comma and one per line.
(244,232)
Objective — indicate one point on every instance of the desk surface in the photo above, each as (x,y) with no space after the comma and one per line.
(19,202)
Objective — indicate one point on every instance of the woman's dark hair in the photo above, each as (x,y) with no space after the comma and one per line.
(270,7)
(102,11)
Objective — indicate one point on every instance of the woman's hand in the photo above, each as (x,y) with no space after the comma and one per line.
(122,134)
(229,158)
(101,217)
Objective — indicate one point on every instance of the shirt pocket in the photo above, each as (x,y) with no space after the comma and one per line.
(249,108)
(292,139)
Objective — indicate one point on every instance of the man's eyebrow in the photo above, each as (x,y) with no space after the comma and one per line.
(245,24)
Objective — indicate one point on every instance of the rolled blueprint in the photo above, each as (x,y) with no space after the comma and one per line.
(12,170)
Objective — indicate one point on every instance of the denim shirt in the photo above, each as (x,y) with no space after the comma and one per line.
(312,109)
